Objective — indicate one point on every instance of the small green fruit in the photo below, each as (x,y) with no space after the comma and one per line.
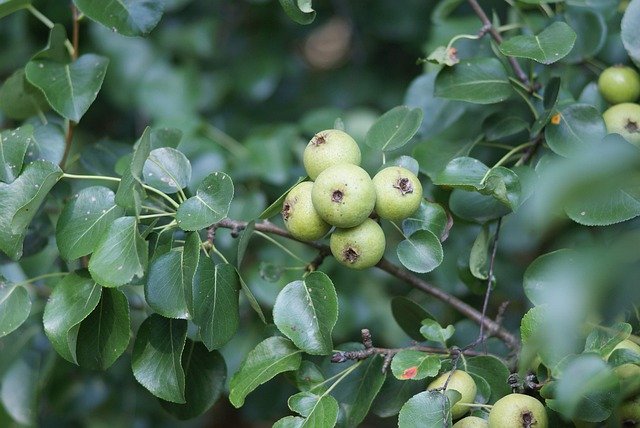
(358,247)
(619,84)
(328,148)
(463,383)
(300,218)
(398,193)
(629,375)
(624,119)
(629,412)
(343,195)
(518,411)
(625,344)
(471,422)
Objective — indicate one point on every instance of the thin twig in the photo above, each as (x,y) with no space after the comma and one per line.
(487,26)
(68,142)
(490,281)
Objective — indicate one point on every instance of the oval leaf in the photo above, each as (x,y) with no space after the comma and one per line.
(409,315)
(157,353)
(551,45)
(167,169)
(13,146)
(421,252)
(463,172)
(270,357)
(477,80)
(130,192)
(71,301)
(428,409)
(429,216)
(629,31)
(84,221)
(15,306)
(19,99)
(577,127)
(415,365)
(394,129)
(127,17)
(211,203)
(306,311)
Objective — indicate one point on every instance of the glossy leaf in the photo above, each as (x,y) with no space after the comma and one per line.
(71,88)
(130,191)
(251,298)
(243,242)
(167,169)
(7,7)
(629,31)
(421,252)
(306,311)
(429,216)
(394,129)
(392,396)
(299,11)
(13,147)
(71,301)
(127,17)
(434,155)
(19,203)
(547,47)
(463,172)
(432,330)
(205,374)
(543,274)
(493,371)
(479,257)
(19,389)
(409,315)
(414,365)
(270,357)
(120,255)
(157,355)
(84,221)
(211,203)
(605,340)
(309,378)
(504,185)
(18,98)
(579,126)
(48,144)
(215,302)
(104,334)
(476,80)
(15,306)
(317,410)
(591,33)
(428,409)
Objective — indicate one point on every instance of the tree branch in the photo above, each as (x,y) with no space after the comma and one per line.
(491,327)
(487,26)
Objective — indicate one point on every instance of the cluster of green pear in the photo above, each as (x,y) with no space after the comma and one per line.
(343,195)
(620,86)
(511,411)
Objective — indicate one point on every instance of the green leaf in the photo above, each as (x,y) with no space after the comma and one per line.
(84,221)
(306,311)
(215,302)
(414,365)
(432,330)
(463,172)
(127,17)
(168,289)
(104,334)
(19,390)
(356,392)
(421,252)
(588,388)
(270,357)
(48,143)
(211,203)
(409,315)
(120,255)
(71,301)
(629,31)
(7,7)
(13,146)
(130,191)
(579,127)
(309,377)
(71,88)
(504,185)
(394,129)
(551,45)
(157,354)
(167,169)
(318,411)
(429,216)
(443,55)
(55,50)
(19,203)
(276,206)
(18,98)
(479,257)
(493,371)
(251,298)
(393,394)
(299,11)
(544,273)
(15,306)
(591,33)
(476,80)
(473,206)
(205,374)
(604,341)
(243,241)
(428,409)
(434,155)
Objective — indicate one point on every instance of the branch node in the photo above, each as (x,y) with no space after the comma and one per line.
(367,341)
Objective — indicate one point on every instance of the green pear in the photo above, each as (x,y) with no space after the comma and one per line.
(358,247)
(619,84)
(518,411)
(471,422)
(624,119)
(398,193)
(328,148)
(462,382)
(299,215)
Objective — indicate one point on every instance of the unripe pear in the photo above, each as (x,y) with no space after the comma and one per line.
(619,84)
(471,422)
(462,382)
(358,247)
(518,411)
(328,148)
(398,193)
(299,215)
(343,195)
(624,119)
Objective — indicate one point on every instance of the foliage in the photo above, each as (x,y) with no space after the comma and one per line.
(145,151)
